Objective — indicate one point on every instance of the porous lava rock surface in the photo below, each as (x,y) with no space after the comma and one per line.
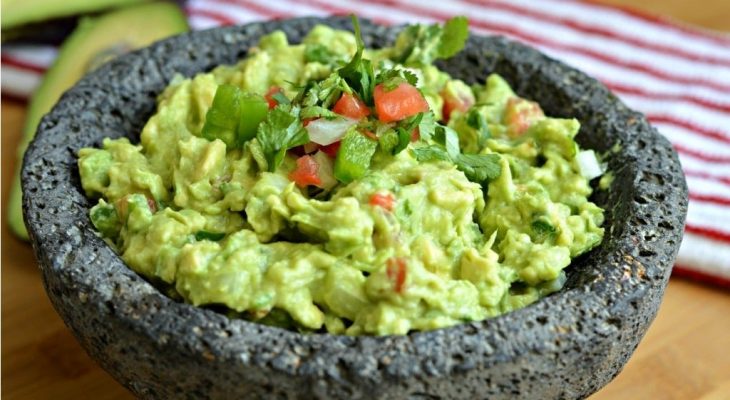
(564,346)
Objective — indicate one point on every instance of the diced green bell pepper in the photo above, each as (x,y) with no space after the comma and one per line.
(353,158)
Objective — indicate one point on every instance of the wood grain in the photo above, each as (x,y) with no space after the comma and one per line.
(708,14)
(683,356)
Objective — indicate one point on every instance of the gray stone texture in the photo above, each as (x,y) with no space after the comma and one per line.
(565,346)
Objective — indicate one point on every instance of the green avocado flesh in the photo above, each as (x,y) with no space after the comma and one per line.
(446,230)
(94,41)
(19,12)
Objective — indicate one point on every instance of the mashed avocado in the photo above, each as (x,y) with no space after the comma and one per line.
(323,187)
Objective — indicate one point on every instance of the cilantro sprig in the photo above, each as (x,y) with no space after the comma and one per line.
(453,37)
(422,45)
(393,77)
(359,73)
(281,131)
(479,168)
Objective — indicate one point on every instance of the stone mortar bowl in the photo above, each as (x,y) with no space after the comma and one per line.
(567,345)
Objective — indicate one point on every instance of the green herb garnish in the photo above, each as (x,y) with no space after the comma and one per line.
(478,122)
(542,228)
(480,168)
(281,131)
(453,38)
(212,236)
(280,98)
(395,76)
(405,129)
(422,45)
(358,73)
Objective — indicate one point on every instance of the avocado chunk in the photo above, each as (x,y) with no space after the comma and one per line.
(20,12)
(95,41)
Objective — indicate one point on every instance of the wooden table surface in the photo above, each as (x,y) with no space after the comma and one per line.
(685,355)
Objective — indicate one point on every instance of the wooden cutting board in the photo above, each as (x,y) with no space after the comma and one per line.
(685,355)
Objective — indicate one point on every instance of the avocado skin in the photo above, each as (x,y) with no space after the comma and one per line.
(20,12)
(93,37)
(52,31)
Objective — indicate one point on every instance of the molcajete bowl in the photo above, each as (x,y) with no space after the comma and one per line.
(564,346)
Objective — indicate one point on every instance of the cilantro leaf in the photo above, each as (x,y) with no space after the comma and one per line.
(453,38)
(359,73)
(212,236)
(404,137)
(393,77)
(448,138)
(427,126)
(281,131)
(478,122)
(542,229)
(280,98)
(479,168)
(430,153)
(422,45)
(405,129)
(324,93)
(317,112)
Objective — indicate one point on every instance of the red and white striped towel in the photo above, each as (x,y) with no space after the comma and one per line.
(677,75)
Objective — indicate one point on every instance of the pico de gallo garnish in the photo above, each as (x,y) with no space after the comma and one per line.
(350,114)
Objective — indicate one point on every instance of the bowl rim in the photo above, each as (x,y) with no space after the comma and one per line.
(629,282)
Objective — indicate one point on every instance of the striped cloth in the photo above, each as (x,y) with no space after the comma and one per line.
(677,75)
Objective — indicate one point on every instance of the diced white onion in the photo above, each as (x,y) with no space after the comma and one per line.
(588,163)
(323,131)
(326,170)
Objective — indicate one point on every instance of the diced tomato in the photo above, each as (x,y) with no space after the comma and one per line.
(384,200)
(331,149)
(269,96)
(306,172)
(397,269)
(351,107)
(400,103)
(520,114)
(306,121)
(460,102)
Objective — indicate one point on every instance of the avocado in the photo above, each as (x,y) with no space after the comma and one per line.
(53,31)
(20,12)
(93,42)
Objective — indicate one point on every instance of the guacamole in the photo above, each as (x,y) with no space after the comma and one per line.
(326,187)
